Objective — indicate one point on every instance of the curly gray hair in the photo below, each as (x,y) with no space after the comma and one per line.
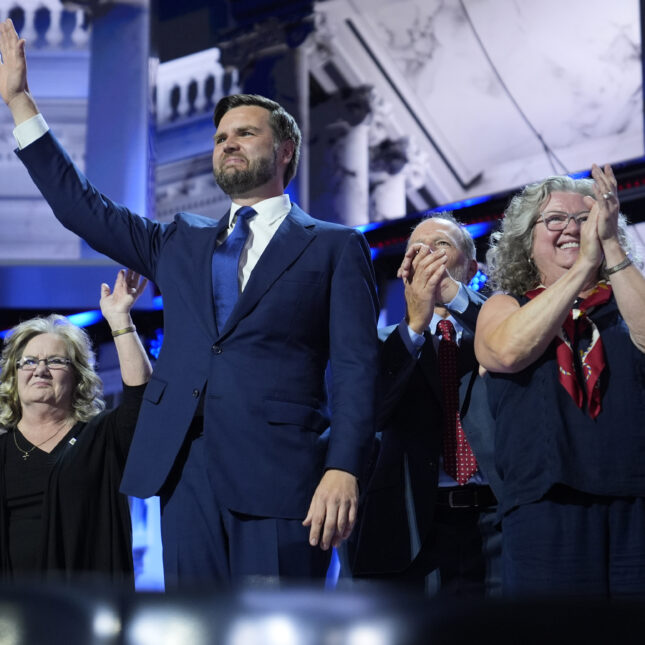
(510,266)
(87,398)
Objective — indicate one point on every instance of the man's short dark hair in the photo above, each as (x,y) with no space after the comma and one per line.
(284,126)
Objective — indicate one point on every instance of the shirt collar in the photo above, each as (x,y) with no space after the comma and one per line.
(435,321)
(269,210)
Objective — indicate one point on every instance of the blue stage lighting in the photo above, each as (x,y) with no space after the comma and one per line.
(154,344)
(85,318)
(478,281)
(580,175)
(480,228)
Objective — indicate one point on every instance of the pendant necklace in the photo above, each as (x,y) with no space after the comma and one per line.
(26,453)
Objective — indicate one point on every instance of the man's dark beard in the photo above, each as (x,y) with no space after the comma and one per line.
(236,182)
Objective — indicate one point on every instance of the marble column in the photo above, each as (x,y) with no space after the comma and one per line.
(339,161)
(118,106)
(387,179)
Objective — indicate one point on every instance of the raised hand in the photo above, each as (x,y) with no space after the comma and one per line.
(14,88)
(605,189)
(116,304)
(422,279)
(590,247)
(405,270)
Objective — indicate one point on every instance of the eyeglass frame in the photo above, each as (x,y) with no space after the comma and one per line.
(570,216)
(66,362)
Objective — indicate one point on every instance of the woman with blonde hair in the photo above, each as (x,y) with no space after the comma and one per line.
(62,455)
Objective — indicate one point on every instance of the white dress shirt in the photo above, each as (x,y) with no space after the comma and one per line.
(262,227)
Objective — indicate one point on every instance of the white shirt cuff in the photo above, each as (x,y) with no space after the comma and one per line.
(30,130)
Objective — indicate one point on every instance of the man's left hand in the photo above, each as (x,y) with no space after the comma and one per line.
(332,512)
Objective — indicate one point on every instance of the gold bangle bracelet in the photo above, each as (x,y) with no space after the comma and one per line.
(125,330)
(618,267)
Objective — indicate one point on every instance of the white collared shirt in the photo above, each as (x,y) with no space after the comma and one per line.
(262,227)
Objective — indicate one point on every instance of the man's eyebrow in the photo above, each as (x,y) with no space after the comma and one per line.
(241,128)
(247,127)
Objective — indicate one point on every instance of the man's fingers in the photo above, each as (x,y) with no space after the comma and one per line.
(411,258)
(330,507)
(342,518)
(329,531)
(328,524)
(353,512)
(314,520)
(432,271)
(346,521)
(414,249)
(437,268)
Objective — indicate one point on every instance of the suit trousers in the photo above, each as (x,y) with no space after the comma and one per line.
(462,555)
(206,544)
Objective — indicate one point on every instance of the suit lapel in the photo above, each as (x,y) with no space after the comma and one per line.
(429,364)
(289,241)
(466,355)
(201,242)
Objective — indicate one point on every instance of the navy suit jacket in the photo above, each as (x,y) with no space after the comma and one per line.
(309,300)
(397,509)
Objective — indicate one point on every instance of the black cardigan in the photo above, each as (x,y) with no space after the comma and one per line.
(86,529)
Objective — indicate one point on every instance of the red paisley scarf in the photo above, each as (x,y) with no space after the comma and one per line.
(592,359)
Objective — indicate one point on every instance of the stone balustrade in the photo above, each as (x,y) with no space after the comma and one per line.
(46,24)
(191,86)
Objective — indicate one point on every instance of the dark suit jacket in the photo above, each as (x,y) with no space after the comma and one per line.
(311,298)
(397,509)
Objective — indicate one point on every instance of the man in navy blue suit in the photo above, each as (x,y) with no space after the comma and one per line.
(231,433)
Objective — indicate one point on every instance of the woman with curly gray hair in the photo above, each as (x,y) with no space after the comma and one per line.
(564,349)
(62,454)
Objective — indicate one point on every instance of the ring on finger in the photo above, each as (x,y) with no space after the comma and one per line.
(608,195)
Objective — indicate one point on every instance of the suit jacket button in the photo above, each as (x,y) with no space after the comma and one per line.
(195,393)
(432,465)
(216,349)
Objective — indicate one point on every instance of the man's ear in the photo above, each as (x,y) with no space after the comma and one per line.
(473,267)
(287,149)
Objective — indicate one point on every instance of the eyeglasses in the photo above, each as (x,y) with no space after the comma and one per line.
(558,221)
(30,363)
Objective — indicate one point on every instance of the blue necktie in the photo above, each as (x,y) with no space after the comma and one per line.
(224,266)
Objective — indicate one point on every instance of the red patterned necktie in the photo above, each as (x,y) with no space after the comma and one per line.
(592,359)
(458,459)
